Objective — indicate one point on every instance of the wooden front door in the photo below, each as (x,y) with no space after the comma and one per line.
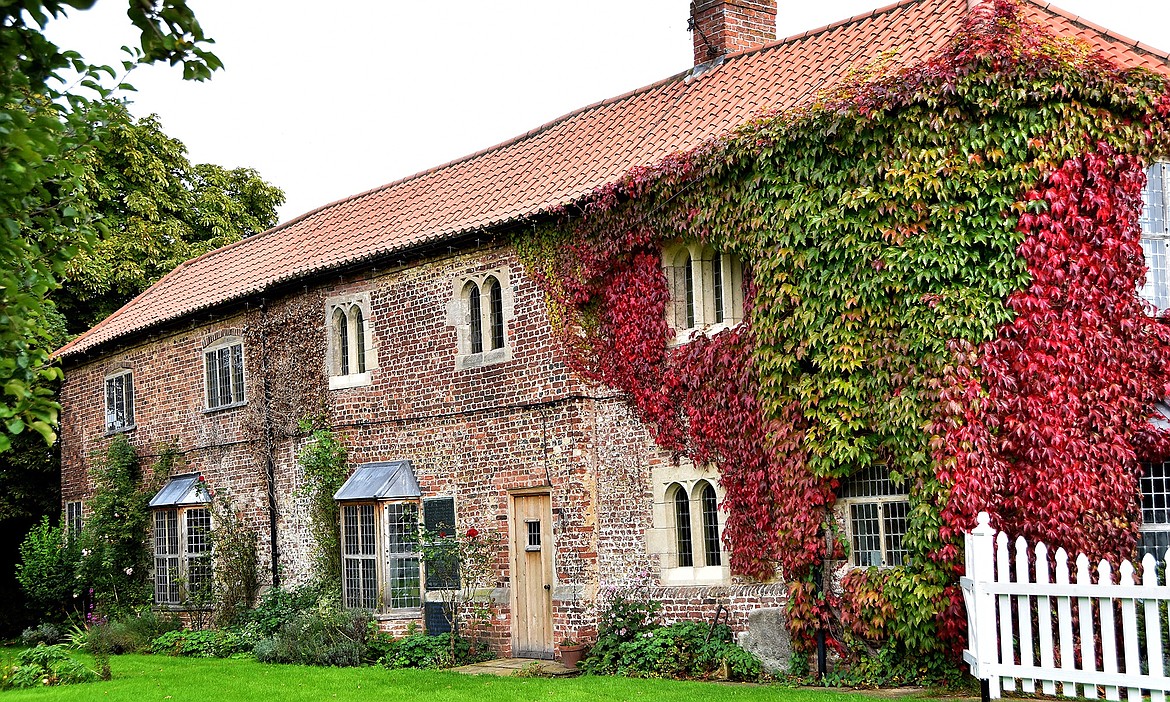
(532,576)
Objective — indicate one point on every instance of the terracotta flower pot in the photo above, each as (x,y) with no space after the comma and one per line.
(572,655)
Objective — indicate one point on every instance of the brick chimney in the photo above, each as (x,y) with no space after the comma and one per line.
(722,27)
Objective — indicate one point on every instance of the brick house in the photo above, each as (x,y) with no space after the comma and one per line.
(404,316)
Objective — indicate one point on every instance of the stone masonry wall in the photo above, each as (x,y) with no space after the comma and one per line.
(475,432)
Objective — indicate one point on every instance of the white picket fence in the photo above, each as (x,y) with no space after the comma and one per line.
(1027,628)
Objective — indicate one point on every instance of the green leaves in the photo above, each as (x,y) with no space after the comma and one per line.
(944,266)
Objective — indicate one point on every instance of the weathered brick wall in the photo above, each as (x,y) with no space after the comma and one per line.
(474,433)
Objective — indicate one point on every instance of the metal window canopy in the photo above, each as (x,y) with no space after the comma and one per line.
(180,491)
(386,480)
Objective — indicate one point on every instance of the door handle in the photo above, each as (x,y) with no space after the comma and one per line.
(548,587)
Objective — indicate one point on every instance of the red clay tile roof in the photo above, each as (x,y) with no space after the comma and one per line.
(566,159)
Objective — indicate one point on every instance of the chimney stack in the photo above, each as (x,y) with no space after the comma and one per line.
(722,27)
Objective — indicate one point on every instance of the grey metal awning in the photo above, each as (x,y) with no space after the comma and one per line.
(181,490)
(387,480)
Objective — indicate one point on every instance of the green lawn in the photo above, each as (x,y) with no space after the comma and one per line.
(147,678)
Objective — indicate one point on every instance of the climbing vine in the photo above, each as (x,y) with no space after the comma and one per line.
(944,263)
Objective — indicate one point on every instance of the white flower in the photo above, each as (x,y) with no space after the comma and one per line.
(85,552)
(129,571)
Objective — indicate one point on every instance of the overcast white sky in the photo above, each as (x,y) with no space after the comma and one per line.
(330,99)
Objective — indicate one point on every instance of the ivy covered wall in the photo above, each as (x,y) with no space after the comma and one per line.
(943,264)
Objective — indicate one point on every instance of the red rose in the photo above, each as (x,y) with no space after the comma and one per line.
(472,533)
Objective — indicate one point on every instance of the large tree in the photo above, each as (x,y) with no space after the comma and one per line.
(154,209)
(45,213)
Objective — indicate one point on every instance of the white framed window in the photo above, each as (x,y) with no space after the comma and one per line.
(73,519)
(687,533)
(119,401)
(380,556)
(182,554)
(181,534)
(1154,535)
(1156,235)
(223,372)
(875,511)
(706,289)
(481,310)
(350,348)
(379,552)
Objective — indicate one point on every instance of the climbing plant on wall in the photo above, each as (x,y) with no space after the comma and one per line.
(944,263)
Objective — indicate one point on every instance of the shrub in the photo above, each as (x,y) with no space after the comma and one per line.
(278,605)
(46,633)
(115,561)
(326,635)
(45,665)
(423,651)
(207,643)
(129,634)
(46,572)
(681,650)
(237,565)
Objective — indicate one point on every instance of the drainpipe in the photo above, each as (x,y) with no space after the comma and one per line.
(269,445)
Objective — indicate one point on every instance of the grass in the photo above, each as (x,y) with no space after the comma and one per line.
(146,678)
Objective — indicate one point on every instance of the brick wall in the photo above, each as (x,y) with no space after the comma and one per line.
(475,434)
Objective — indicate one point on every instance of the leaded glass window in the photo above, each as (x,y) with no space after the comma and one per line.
(877,509)
(224,371)
(120,401)
(1155,234)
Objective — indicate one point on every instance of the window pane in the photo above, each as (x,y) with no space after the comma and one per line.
(111,415)
(405,588)
(895,523)
(717,285)
(1154,536)
(120,401)
(711,551)
(496,295)
(224,368)
(366,529)
(353,583)
(475,320)
(682,528)
(1153,217)
(350,524)
(689,285)
(172,532)
(1157,287)
(160,532)
(128,388)
(359,338)
(402,528)
(209,360)
(237,373)
(867,546)
(873,481)
(342,331)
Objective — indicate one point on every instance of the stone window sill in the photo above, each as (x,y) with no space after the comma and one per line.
(487,358)
(705,575)
(353,380)
(221,408)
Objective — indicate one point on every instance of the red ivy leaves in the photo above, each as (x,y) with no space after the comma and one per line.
(1048,423)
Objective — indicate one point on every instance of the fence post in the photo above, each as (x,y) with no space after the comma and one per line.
(980,547)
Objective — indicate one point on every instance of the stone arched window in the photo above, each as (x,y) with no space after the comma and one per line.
(351,354)
(706,289)
(686,535)
(481,311)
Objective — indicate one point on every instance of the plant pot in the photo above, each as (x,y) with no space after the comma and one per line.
(572,655)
